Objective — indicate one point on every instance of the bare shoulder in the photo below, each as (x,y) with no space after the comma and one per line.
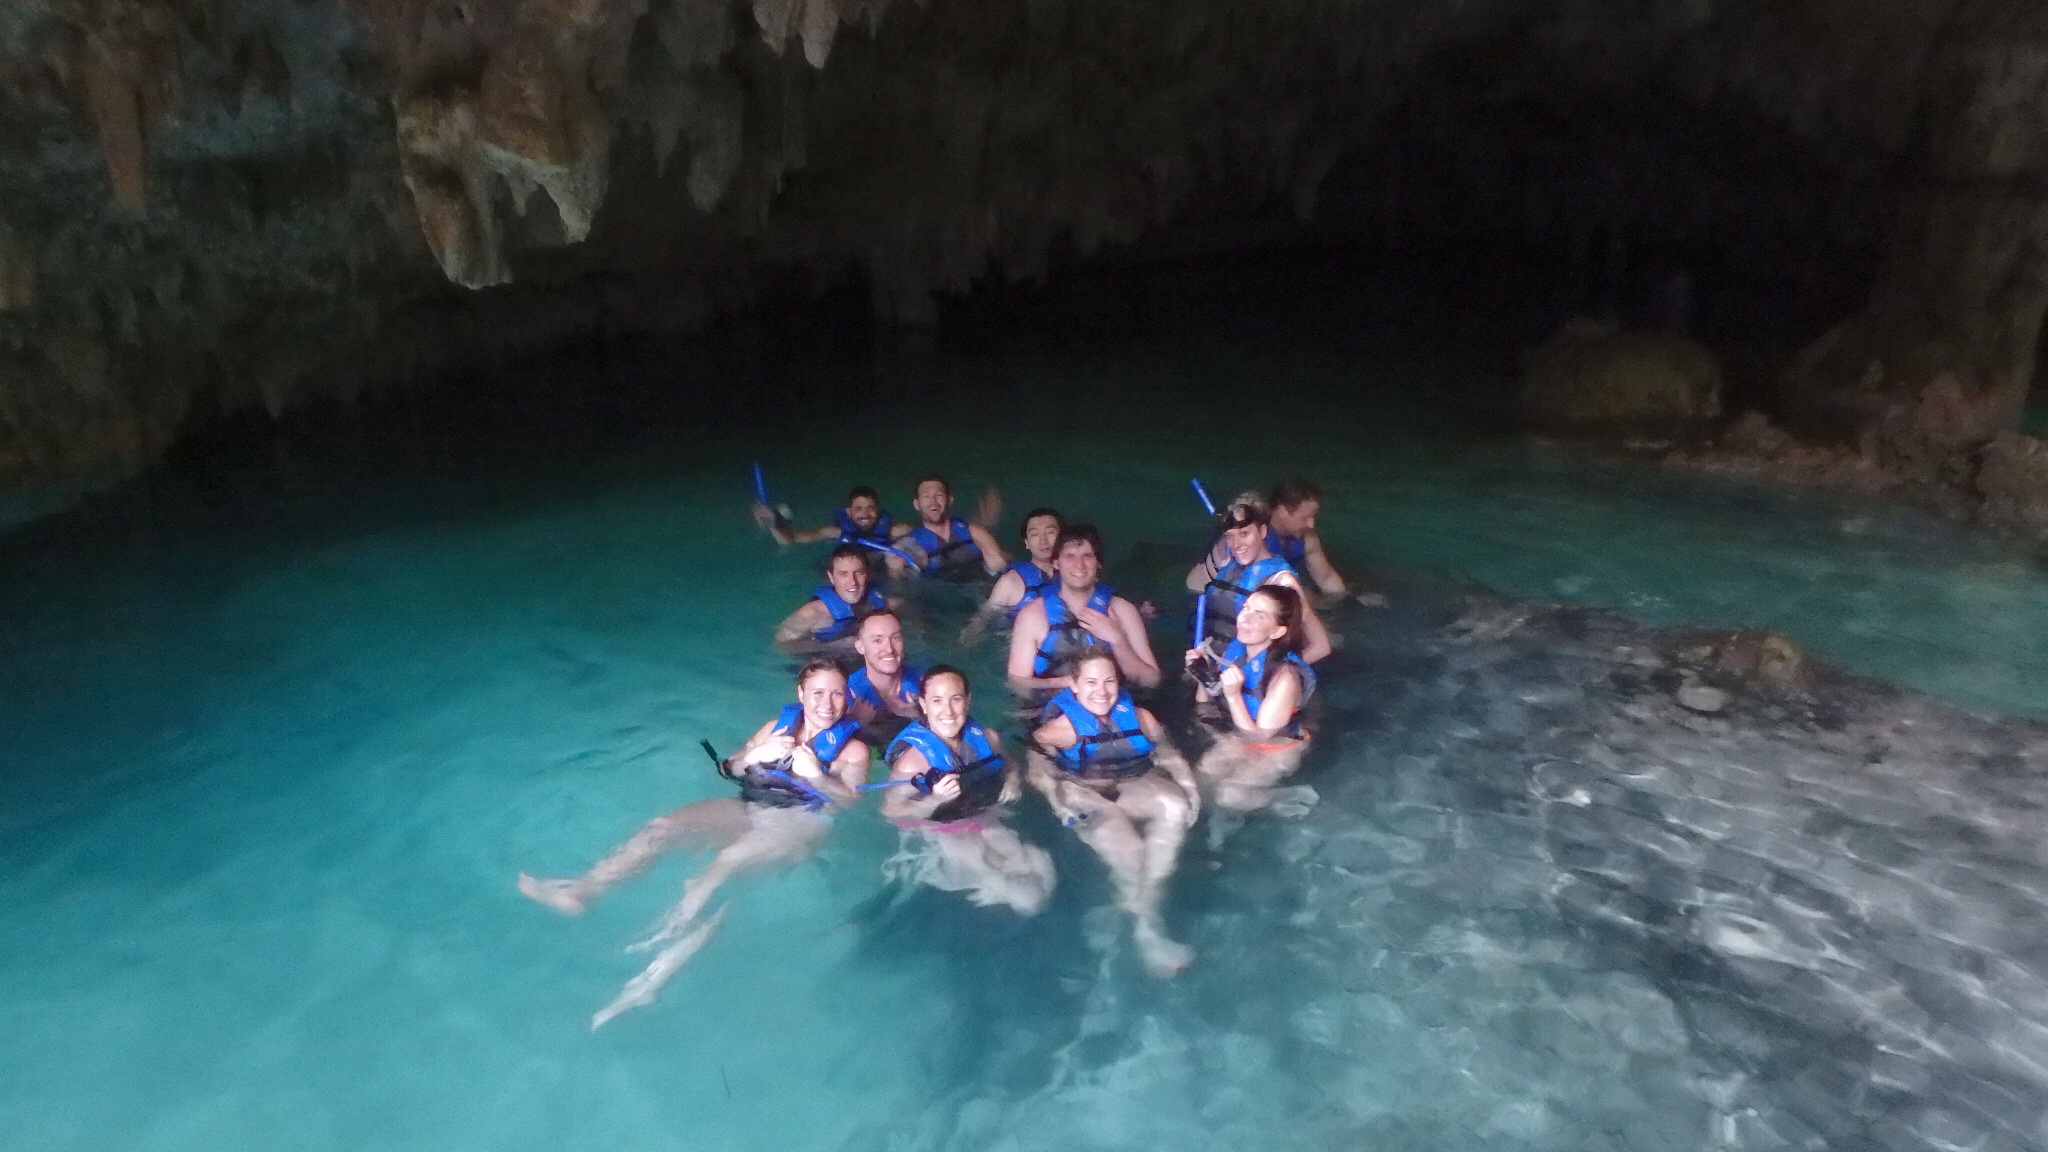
(1057,732)
(907,763)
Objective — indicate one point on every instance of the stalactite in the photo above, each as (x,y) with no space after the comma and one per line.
(17,271)
(108,74)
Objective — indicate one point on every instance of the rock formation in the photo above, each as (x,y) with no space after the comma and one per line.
(212,205)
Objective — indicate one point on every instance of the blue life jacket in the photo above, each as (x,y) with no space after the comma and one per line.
(1113,749)
(1231,584)
(1255,682)
(886,723)
(776,785)
(851,533)
(1036,582)
(1293,549)
(1064,636)
(842,613)
(981,779)
(957,556)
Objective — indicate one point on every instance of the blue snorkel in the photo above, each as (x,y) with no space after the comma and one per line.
(1209,684)
(779,511)
(1200,492)
(893,552)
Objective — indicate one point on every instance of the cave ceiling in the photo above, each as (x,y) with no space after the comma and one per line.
(210,204)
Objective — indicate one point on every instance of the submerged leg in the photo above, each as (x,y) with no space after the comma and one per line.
(1165,829)
(783,836)
(1110,833)
(992,866)
(642,989)
(707,822)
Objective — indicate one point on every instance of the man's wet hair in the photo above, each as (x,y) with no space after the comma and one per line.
(1078,534)
(861,617)
(1293,492)
(928,478)
(1057,519)
(854,550)
(859,491)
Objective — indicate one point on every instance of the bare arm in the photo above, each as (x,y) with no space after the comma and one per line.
(804,765)
(1134,657)
(851,765)
(1206,568)
(762,746)
(1008,593)
(1319,567)
(906,803)
(801,624)
(992,556)
(1025,637)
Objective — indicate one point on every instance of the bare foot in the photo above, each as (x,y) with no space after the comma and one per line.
(1293,803)
(1162,957)
(564,896)
(641,990)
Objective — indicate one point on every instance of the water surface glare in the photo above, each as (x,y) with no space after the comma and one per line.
(272,764)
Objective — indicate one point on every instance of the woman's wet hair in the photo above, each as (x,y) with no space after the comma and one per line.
(1090,655)
(930,478)
(859,491)
(1293,492)
(1024,525)
(1078,533)
(816,665)
(1286,614)
(1241,512)
(854,550)
(937,670)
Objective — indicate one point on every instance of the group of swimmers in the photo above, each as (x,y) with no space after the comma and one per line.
(1105,765)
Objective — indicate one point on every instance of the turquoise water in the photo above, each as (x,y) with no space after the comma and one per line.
(275,752)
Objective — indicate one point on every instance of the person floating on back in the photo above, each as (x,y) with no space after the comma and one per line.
(792,774)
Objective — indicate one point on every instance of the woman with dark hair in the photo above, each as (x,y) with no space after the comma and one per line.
(1109,772)
(1260,683)
(1241,563)
(953,787)
(792,772)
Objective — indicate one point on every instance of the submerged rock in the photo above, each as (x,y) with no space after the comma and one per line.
(1798,924)
(1697,697)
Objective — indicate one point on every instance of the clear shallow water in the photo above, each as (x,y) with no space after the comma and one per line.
(273,760)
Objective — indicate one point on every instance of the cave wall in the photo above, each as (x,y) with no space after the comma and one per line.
(208,205)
